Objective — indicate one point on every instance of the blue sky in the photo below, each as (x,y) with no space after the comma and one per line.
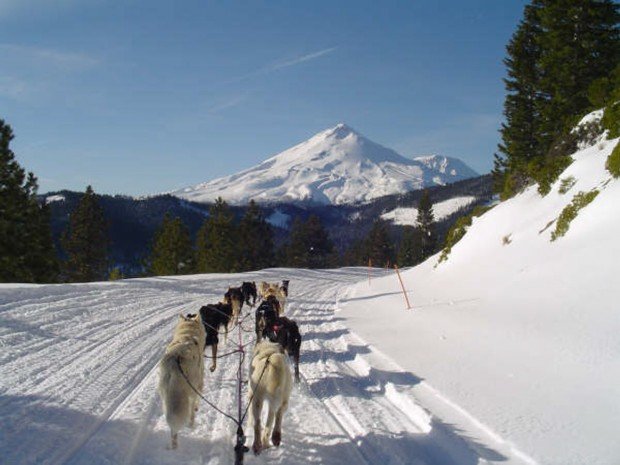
(145,96)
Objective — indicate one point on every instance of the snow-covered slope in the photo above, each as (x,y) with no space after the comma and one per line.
(408,215)
(335,166)
(519,331)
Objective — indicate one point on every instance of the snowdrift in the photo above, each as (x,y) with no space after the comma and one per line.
(520,331)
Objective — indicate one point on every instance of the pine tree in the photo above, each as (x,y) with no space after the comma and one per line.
(580,43)
(426,225)
(556,60)
(378,245)
(520,143)
(255,240)
(309,245)
(217,249)
(26,250)
(171,252)
(410,250)
(85,241)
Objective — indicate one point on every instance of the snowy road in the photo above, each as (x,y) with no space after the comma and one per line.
(78,381)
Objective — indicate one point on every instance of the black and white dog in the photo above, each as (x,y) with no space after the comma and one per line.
(278,329)
(249,290)
(213,317)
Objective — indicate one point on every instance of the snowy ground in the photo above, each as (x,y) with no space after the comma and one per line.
(78,381)
(510,354)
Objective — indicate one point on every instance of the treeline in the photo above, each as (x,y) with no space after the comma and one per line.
(562,62)
(102,237)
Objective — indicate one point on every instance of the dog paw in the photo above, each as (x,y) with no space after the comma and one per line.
(256,448)
(212,368)
(276,438)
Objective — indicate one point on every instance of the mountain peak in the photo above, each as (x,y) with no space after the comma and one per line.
(335,166)
(340,131)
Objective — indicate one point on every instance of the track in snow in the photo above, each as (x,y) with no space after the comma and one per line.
(79,381)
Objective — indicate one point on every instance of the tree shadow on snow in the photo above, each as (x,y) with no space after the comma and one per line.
(313,356)
(36,432)
(324,335)
(366,387)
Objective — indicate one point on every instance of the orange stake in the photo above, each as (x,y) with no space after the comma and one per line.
(402,287)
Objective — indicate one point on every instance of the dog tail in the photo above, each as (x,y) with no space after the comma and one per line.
(173,390)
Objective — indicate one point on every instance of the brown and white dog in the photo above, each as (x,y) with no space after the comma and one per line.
(181,365)
(280,292)
(271,381)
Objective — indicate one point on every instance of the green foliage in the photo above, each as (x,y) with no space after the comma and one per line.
(579,45)
(85,241)
(217,249)
(613,162)
(569,213)
(458,230)
(378,246)
(255,240)
(567,184)
(549,172)
(171,252)
(611,119)
(115,274)
(309,245)
(426,221)
(26,250)
(558,63)
(410,250)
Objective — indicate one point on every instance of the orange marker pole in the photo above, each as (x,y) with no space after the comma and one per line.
(402,287)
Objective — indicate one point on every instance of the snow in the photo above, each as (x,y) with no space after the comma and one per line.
(54,198)
(279,219)
(78,376)
(335,166)
(510,354)
(520,335)
(408,216)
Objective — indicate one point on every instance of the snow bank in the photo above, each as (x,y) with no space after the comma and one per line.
(519,331)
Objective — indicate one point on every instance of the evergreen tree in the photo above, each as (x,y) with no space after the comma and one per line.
(410,250)
(309,245)
(85,241)
(378,244)
(172,250)
(26,250)
(426,225)
(217,248)
(556,59)
(255,240)
(520,144)
(580,43)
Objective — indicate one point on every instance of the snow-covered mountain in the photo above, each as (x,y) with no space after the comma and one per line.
(336,166)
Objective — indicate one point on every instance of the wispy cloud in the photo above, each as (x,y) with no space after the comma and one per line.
(284,64)
(301,59)
(226,104)
(49,56)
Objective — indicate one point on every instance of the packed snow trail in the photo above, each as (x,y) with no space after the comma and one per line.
(78,381)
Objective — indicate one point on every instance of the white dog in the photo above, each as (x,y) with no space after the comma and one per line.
(184,353)
(271,381)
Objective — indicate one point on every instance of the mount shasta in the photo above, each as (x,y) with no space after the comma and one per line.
(336,166)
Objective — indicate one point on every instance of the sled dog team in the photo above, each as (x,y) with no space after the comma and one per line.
(182,368)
